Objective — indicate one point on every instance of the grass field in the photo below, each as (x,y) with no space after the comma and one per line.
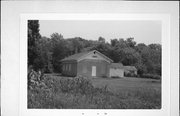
(105,93)
(128,84)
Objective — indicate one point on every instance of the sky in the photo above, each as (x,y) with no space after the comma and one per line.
(147,32)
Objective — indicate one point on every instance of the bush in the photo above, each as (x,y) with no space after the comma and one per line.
(79,93)
(152,76)
(75,85)
(104,76)
(130,75)
(115,77)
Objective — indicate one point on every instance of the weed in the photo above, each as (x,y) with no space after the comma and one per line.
(79,93)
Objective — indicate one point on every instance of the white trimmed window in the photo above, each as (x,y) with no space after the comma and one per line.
(63,67)
(69,67)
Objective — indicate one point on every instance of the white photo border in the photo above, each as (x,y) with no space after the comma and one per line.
(165,85)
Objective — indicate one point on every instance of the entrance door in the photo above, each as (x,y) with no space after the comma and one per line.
(93,70)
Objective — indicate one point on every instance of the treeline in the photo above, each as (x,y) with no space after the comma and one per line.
(45,53)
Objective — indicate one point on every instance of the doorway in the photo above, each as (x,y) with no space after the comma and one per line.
(93,71)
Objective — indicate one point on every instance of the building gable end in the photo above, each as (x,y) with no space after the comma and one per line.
(95,55)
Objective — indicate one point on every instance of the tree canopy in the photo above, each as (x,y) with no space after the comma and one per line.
(45,53)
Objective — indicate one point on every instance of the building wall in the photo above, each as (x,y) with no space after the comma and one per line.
(116,72)
(84,68)
(69,68)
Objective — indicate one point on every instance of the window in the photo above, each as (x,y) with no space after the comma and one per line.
(69,67)
(63,67)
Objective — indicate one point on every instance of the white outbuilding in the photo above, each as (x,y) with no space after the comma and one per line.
(116,70)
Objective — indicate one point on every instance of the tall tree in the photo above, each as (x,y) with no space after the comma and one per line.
(45,54)
(101,39)
(130,42)
(33,37)
(114,42)
(77,43)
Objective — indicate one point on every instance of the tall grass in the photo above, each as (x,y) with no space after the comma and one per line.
(79,93)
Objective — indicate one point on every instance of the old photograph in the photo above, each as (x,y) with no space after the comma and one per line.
(94,64)
(89,58)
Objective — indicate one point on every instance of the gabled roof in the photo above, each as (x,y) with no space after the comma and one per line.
(117,65)
(131,68)
(77,57)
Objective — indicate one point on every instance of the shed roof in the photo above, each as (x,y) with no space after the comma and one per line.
(77,56)
(132,68)
(116,65)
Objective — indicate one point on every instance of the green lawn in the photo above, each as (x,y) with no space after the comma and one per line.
(127,84)
(105,93)
(123,84)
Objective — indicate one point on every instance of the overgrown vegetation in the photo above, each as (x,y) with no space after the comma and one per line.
(130,75)
(152,76)
(116,77)
(80,93)
(45,53)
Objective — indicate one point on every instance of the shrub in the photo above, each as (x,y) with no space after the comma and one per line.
(130,75)
(75,85)
(79,93)
(104,76)
(115,77)
(152,76)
